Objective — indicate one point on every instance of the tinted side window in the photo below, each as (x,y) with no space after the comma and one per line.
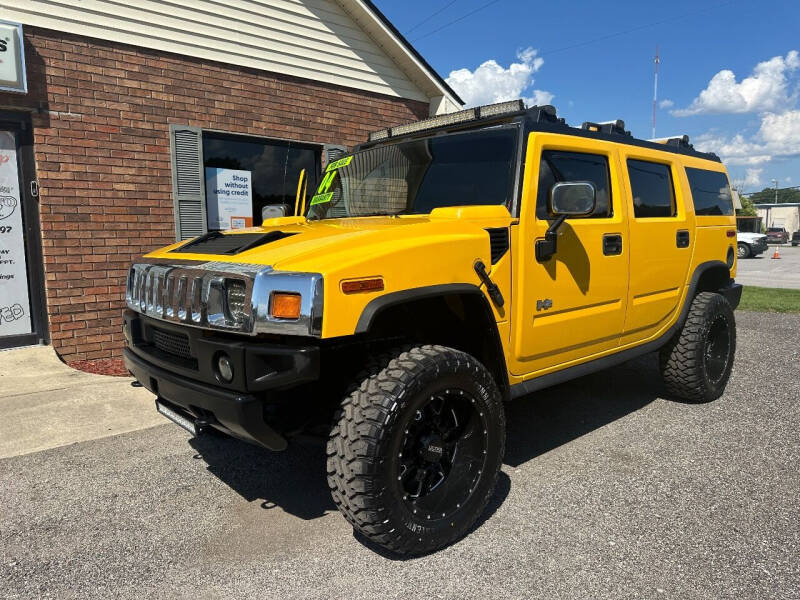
(557,166)
(710,192)
(651,185)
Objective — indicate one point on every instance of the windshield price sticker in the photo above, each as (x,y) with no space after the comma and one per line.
(321,198)
(337,164)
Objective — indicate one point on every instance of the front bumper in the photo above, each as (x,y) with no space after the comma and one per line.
(177,364)
(760,247)
(241,415)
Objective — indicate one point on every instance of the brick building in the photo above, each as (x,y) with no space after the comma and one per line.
(128,113)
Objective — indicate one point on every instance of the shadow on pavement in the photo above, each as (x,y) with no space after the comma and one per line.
(542,421)
(294,480)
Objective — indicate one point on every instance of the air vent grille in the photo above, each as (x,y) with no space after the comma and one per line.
(171,343)
(235,243)
(498,240)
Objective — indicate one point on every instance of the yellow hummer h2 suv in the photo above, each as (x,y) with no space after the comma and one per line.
(441,268)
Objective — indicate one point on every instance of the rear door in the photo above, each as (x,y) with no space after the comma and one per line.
(661,240)
(571,306)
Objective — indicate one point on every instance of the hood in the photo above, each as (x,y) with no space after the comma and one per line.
(294,244)
(749,237)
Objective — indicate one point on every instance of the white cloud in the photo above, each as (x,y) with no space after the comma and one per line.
(777,137)
(666,103)
(787,179)
(752,177)
(539,98)
(490,82)
(767,89)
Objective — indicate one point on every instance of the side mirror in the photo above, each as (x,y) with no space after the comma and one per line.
(272,211)
(567,199)
(573,199)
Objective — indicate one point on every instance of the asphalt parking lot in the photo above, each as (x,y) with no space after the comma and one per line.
(765,271)
(607,491)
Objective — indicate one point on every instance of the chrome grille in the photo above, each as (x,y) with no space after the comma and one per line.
(213,294)
(228,296)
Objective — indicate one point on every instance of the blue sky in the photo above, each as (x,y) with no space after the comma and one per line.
(730,69)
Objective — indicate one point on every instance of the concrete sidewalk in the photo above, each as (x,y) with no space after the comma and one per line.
(45,404)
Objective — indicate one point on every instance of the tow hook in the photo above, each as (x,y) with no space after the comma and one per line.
(491,286)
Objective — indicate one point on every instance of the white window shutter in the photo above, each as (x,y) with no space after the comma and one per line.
(188,181)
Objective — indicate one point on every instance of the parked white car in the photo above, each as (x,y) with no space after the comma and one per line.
(750,244)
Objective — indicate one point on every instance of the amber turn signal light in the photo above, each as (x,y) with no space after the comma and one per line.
(285,305)
(374,284)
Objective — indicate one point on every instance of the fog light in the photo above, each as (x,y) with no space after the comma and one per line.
(225,368)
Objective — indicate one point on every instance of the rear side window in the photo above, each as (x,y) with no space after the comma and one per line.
(710,192)
(651,184)
(557,166)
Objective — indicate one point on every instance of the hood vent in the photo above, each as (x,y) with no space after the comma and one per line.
(498,240)
(216,242)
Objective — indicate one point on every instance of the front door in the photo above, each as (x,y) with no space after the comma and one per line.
(21,284)
(572,306)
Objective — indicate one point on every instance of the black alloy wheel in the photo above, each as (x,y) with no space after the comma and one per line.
(696,363)
(415,450)
(442,454)
(717,348)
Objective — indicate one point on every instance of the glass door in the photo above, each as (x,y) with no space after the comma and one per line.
(21,292)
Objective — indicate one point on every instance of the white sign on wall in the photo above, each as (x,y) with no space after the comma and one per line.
(15,313)
(229,198)
(12,58)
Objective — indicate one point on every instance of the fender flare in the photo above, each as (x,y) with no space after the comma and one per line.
(378,305)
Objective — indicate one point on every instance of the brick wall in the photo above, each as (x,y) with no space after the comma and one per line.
(102,157)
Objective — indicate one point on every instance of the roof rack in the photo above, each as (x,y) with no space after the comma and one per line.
(613,127)
(542,118)
(681,141)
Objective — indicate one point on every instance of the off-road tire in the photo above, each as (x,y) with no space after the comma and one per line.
(686,361)
(743,250)
(369,428)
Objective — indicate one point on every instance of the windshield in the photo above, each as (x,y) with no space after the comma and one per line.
(416,176)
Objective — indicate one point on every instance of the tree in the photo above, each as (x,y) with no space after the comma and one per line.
(748,208)
(767,195)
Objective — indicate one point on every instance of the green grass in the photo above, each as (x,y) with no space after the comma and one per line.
(770,299)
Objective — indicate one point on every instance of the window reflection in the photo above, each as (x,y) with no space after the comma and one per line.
(274,166)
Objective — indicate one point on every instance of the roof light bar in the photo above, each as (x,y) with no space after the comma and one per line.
(381,134)
(501,108)
(440,121)
(462,116)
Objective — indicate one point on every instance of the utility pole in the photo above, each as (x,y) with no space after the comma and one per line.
(775,181)
(655,93)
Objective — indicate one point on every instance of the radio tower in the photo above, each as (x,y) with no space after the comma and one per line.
(655,92)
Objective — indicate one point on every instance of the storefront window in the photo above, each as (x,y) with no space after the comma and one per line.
(245,174)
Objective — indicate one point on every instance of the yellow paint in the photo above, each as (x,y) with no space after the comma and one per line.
(600,304)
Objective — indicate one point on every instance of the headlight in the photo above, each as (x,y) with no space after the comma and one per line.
(237,300)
